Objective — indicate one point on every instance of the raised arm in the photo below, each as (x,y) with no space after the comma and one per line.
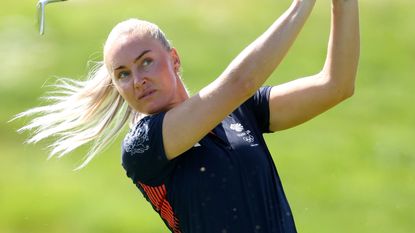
(297,101)
(190,121)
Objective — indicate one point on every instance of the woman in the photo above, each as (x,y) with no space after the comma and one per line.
(201,161)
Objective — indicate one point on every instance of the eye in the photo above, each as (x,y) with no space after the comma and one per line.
(123,74)
(147,62)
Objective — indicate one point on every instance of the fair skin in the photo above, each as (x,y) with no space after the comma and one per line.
(146,74)
(297,101)
(189,119)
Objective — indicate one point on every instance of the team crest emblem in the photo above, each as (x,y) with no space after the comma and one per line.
(237,127)
(137,141)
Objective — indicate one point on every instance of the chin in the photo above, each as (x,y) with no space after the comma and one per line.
(151,110)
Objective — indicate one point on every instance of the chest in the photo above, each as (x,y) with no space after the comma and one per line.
(234,152)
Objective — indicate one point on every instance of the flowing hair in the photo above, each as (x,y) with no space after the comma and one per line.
(80,112)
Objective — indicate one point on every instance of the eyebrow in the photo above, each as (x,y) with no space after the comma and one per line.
(135,60)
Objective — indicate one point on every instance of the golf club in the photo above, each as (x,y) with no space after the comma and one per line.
(41,13)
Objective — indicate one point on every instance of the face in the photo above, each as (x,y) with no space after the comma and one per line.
(145,73)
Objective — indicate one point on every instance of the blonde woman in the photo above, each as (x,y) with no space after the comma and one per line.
(201,161)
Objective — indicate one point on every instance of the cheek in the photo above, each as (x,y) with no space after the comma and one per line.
(164,67)
(169,76)
(122,89)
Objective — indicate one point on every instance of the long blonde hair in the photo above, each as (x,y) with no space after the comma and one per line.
(80,112)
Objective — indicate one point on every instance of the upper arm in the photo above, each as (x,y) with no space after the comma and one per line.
(190,121)
(187,123)
(297,101)
(143,155)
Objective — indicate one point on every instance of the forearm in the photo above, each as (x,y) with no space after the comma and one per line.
(344,46)
(256,62)
(248,71)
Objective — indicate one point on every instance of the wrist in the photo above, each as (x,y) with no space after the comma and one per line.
(344,5)
(305,4)
(312,2)
(302,6)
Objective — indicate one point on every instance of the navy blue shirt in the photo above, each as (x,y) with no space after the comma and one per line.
(225,183)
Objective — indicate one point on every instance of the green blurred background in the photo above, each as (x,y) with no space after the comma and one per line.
(350,170)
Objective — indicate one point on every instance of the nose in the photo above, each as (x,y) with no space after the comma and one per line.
(139,80)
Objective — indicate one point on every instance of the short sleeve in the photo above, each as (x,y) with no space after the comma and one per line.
(259,105)
(143,155)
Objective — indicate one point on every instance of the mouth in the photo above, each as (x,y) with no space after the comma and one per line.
(146,94)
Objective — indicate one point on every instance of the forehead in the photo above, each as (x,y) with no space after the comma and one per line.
(126,48)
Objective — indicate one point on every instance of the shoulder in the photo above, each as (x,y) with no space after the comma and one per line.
(256,108)
(261,96)
(143,155)
(137,139)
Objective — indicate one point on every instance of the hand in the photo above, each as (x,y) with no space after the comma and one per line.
(342,1)
(297,3)
(304,1)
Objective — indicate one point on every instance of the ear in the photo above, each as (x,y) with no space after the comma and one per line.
(176,60)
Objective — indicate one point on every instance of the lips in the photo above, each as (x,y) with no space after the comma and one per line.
(145,94)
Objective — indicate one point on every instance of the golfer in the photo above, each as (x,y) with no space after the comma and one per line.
(201,161)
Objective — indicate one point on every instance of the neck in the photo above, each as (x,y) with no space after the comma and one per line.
(183,92)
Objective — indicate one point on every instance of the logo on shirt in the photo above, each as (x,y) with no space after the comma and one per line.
(136,142)
(242,133)
(237,127)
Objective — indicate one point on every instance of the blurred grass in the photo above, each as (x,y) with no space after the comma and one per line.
(349,170)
